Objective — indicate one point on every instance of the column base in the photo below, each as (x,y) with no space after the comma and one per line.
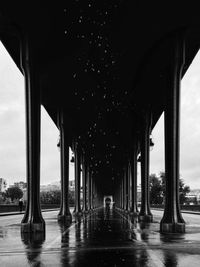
(28,238)
(66,218)
(85,211)
(77,213)
(31,227)
(145,218)
(90,210)
(172,228)
(134,214)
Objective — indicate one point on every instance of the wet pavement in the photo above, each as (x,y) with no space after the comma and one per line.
(103,238)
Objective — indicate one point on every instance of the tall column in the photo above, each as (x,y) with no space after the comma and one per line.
(118,197)
(123,203)
(121,196)
(172,221)
(64,214)
(89,188)
(133,167)
(127,188)
(145,213)
(94,195)
(32,220)
(125,193)
(84,175)
(77,210)
(91,192)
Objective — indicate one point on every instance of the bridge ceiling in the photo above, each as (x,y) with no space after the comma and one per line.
(102,62)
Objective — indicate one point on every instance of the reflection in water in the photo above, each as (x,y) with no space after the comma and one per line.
(107,213)
(172,238)
(103,238)
(3,232)
(77,234)
(133,227)
(33,246)
(143,258)
(144,230)
(64,231)
(170,259)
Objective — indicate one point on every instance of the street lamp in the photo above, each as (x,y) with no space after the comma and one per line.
(72,159)
(58,143)
(151,143)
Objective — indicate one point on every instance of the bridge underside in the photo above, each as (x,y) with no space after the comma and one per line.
(105,72)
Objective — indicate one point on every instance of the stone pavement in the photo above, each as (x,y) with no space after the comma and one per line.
(102,238)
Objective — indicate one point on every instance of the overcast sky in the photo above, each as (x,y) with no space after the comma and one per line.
(12,133)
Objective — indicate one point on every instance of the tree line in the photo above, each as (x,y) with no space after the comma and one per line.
(157,189)
(46,197)
(156,186)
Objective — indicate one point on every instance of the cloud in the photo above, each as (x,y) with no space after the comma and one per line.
(12,133)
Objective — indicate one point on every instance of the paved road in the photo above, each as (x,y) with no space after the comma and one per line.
(15,219)
(100,239)
(190,219)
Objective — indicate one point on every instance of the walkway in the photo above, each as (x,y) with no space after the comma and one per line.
(100,239)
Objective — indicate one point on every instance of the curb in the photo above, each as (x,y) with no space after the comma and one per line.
(18,213)
(183,211)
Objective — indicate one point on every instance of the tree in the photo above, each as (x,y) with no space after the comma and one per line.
(156,189)
(183,189)
(14,193)
(54,197)
(50,197)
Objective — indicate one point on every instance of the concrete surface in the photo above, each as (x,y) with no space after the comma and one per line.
(104,238)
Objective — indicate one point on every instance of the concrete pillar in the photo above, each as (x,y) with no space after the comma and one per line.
(145,213)
(88,188)
(77,210)
(118,197)
(127,198)
(121,195)
(91,192)
(172,221)
(129,186)
(123,203)
(133,174)
(125,194)
(94,194)
(84,175)
(32,220)
(64,214)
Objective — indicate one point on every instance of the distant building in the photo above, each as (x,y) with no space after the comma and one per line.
(3,185)
(193,196)
(56,186)
(50,187)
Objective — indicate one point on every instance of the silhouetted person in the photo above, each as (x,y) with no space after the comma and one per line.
(20,205)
